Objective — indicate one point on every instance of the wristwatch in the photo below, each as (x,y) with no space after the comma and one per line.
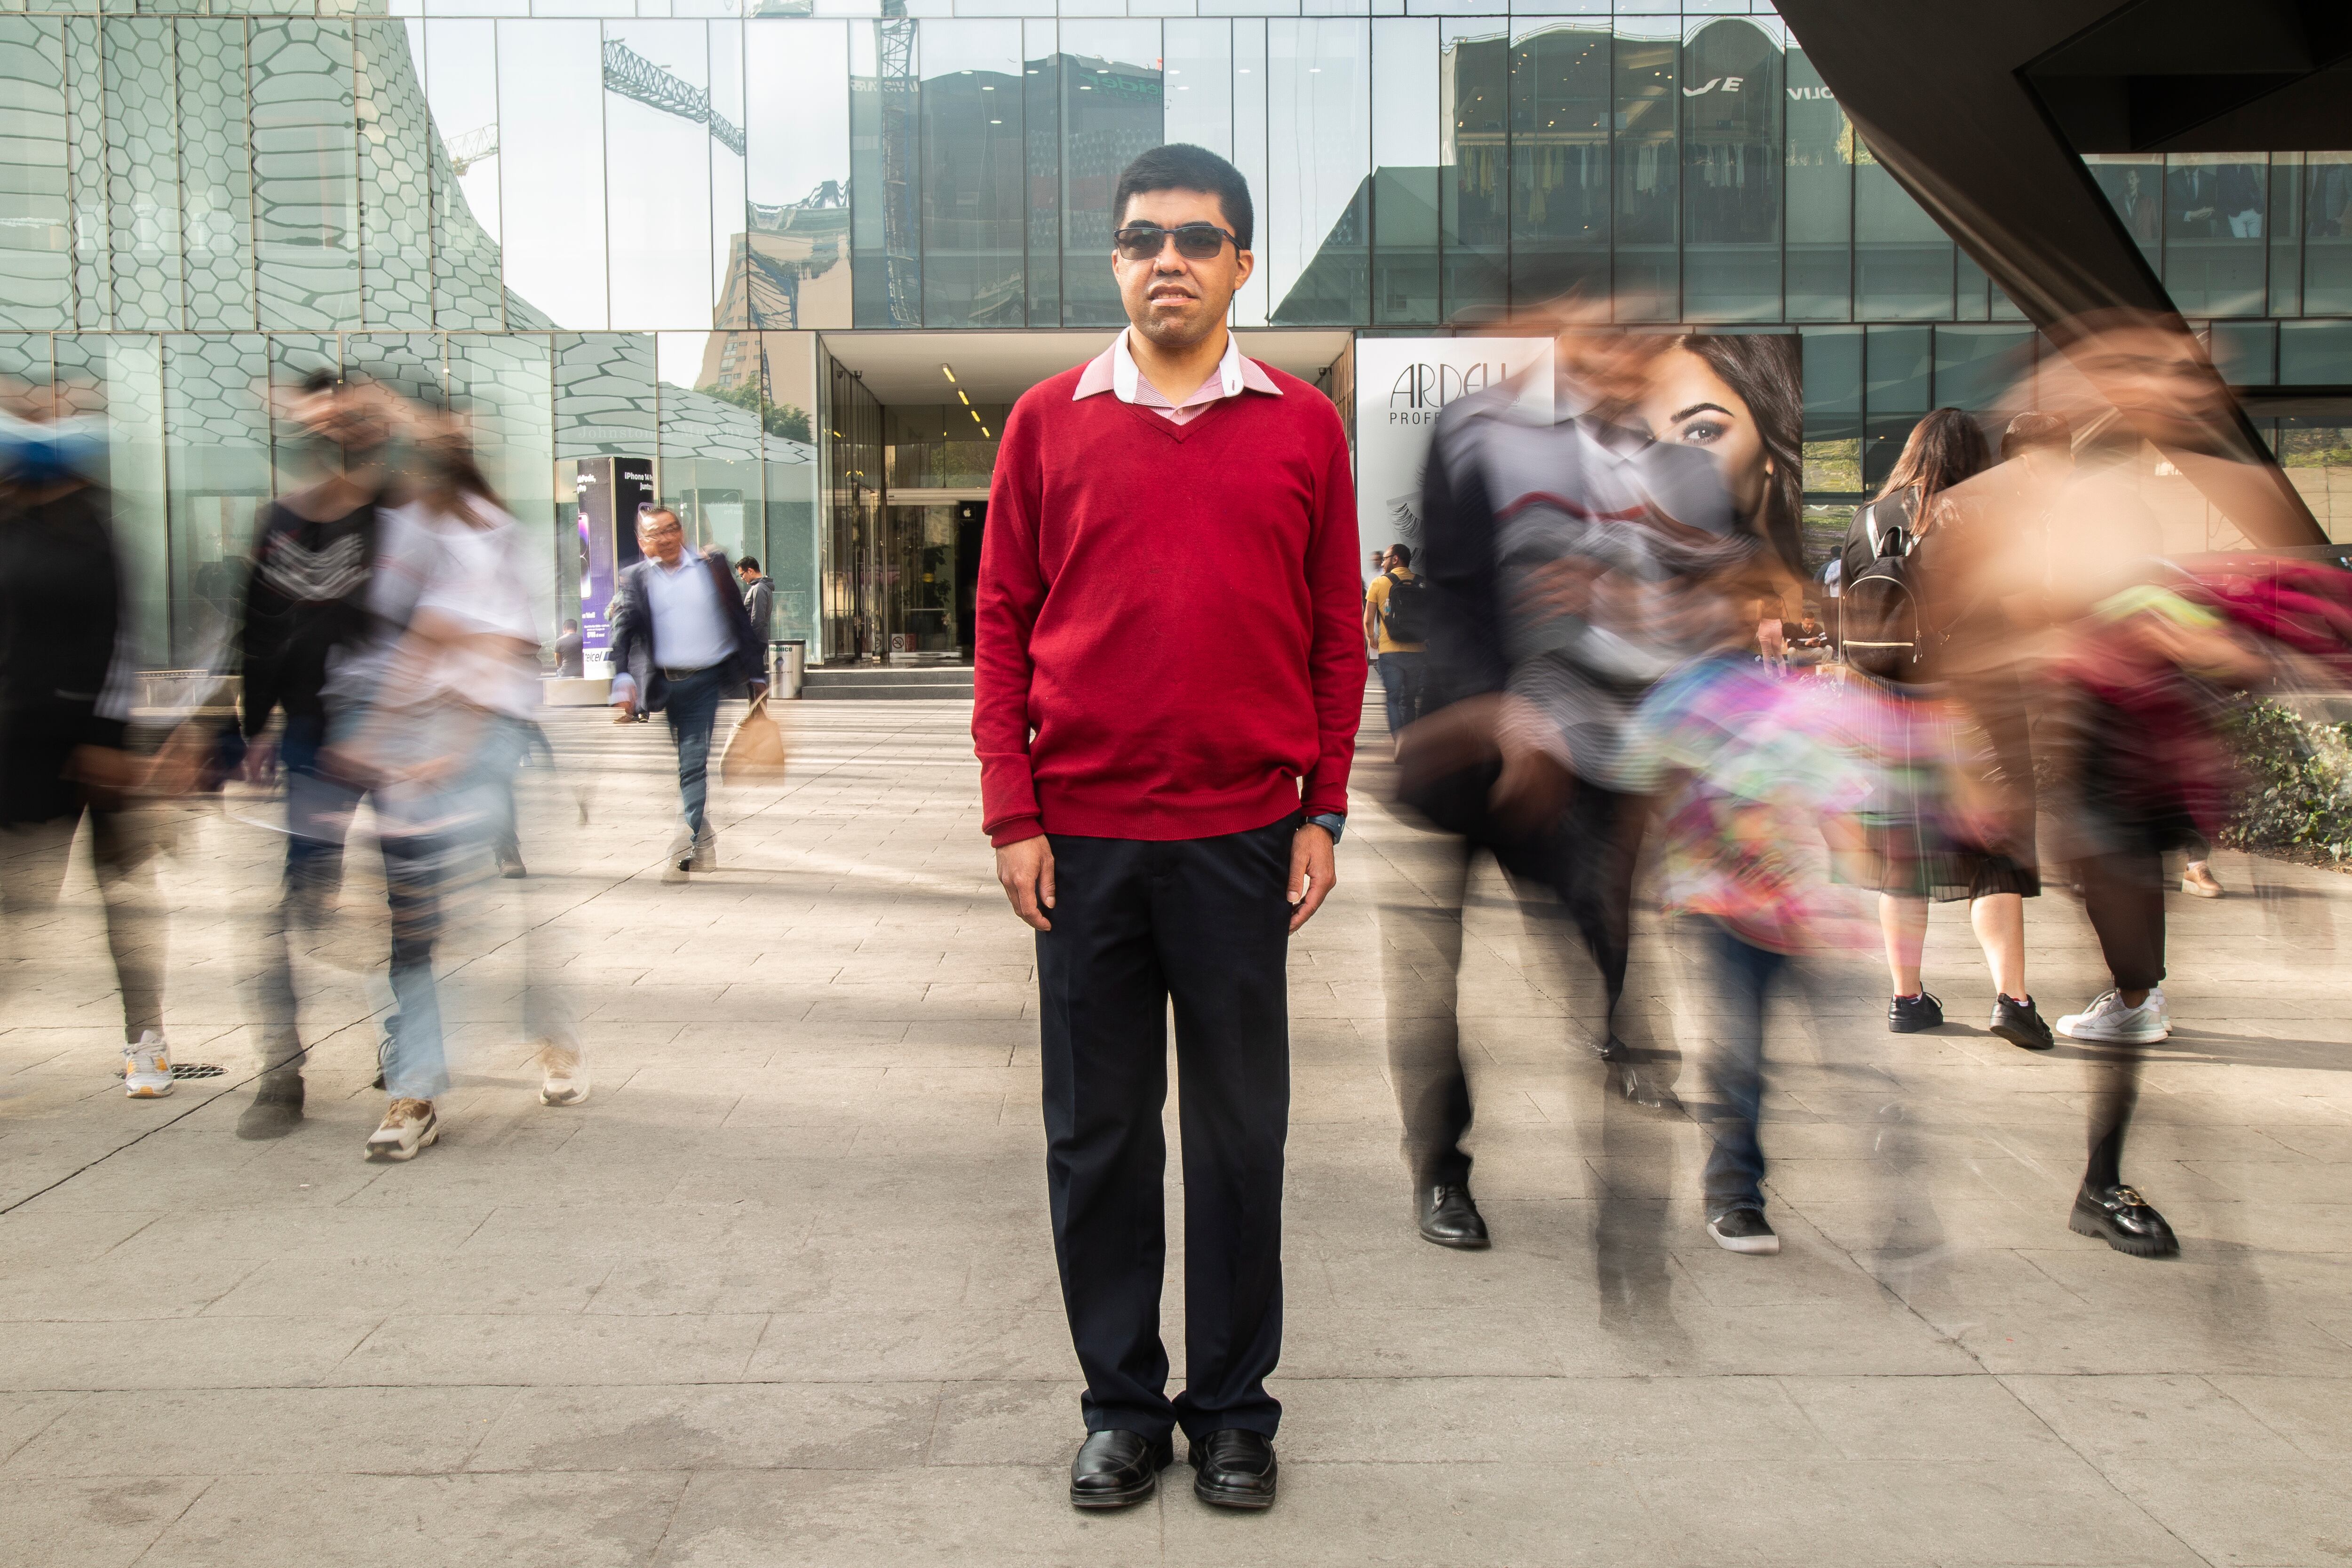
(1330,822)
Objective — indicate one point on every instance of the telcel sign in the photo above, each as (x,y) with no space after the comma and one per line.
(1402,385)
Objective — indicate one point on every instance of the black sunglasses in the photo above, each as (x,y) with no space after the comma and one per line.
(1194,241)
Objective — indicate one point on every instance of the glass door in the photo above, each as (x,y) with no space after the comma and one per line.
(918,578)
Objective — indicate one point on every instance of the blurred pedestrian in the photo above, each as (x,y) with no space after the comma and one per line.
(681,642)
(1164,790)
(1395,626)
(438,747)
(68,665)
(1758,778)
(1559,556)
(332,582)
(1925,613)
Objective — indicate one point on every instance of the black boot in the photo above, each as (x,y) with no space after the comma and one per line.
(2119,1216)
(277,1108)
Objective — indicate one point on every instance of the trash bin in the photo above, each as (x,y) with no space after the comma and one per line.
(787,660)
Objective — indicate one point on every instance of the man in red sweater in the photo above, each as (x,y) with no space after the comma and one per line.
(1169,678)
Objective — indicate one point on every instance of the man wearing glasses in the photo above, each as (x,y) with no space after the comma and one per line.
(681,641)
(1170,677)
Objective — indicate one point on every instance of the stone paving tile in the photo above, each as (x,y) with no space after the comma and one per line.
(783,1292)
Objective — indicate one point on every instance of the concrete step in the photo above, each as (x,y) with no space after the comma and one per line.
(867,683)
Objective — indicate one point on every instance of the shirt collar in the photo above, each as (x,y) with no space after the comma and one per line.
(1114,371)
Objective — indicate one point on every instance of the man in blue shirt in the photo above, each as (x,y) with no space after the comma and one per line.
(681,641)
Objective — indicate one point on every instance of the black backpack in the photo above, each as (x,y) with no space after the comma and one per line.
(1878,612)
(1406,617)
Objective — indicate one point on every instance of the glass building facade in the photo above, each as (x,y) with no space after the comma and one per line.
(616,234)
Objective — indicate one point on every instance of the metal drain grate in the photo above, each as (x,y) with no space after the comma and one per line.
(196,1069)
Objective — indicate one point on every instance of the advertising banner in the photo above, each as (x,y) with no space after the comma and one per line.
(1401,383)
(610,491)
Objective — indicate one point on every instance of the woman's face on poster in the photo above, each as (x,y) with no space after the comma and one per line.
(1688,404)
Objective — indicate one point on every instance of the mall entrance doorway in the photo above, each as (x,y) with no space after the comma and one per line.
(911,423)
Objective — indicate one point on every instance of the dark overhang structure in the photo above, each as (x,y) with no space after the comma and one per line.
(1981,110)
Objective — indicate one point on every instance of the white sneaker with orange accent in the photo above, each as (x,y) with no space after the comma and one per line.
(566,1074)
(409,1125)
(147,1068)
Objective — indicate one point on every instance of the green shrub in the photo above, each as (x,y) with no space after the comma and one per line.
(2298,781)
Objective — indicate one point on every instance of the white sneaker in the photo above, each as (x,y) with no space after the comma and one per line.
(706,850)
(566,1074)
(2108,1021)
(147,1068)
(408,1125)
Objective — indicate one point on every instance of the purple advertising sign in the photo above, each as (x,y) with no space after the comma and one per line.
(610,492)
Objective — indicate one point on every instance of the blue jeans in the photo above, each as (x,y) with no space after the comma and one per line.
(692,708)
(1741,973)
(428,836)
(1402,678)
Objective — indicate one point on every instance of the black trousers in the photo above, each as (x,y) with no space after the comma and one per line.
(1588,860)
(1203,922)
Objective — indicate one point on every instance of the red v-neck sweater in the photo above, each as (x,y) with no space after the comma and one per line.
(1170,642)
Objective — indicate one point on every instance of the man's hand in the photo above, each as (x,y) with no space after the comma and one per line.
(1314,872)
(260,764)
(623,711)
(1026,871)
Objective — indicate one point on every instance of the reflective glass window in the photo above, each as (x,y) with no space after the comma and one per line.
(2286,234)
(1200,89)
(1560,110)
(885,175)
(789,373)
(395,208)
(1407,125)
(215,180)
(605,399)
(730,157)
(1250,112)
(975,218)
(1111,111)
(143,208)
(1980,368)
(1041,117)
(2133,184)
(550,131)
(660,140)
(1315,217)
(217,457)
(1731,173)
(1647,267)
(1832,377)
(1903,262)
(306,187)
(790,268)
(1820,198)
(711,448)
(35,264)
(122,376)
(1474,188)
(2327,231)
(461,85)
(2214,205)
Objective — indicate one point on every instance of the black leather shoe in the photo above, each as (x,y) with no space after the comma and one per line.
(1114,1469)
(1909,1015)
(2020,1023)
(1450,1219)
(275,1111)
(2121,1217)
(1233,1468)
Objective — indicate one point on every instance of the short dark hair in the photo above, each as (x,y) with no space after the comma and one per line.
(749,563)
(2033,430)
(1403,552)
(1180,167)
